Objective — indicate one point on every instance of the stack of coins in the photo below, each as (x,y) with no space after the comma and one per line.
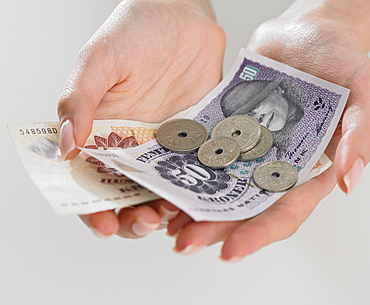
(238,137)
(252,142)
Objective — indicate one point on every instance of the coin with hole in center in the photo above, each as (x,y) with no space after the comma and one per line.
(275,176)
(262,147)
(245,130)
(219,152)
(182,135)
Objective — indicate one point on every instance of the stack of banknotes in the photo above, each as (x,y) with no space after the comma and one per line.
(122,164)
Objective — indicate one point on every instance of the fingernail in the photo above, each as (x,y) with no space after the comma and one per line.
(353,176)
(190,249)
(142,228)
(67,139)
(99,234)
(173,234)
(233,259)
(166,215)
(161,227)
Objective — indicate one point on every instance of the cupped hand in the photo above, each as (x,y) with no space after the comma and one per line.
(326,42)
(148,61)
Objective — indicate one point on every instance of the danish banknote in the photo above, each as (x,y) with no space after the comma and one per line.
(83,185)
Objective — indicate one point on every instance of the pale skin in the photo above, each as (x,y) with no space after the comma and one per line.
(152,59)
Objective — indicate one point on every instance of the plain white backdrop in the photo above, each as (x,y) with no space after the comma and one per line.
(47,259)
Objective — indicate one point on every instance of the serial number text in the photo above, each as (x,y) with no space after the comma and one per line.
(29,131)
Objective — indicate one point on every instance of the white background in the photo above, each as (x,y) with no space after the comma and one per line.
(47,259)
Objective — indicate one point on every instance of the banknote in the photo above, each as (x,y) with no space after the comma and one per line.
(83,185)
(301,111)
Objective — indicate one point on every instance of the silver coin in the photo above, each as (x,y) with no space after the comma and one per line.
(275,176)
(219,152)
(182,135)
(245,130)
(262,148)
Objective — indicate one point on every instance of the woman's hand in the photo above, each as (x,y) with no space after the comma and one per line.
(148,61)
(328,39)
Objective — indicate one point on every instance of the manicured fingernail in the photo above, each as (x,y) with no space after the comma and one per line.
(100,234)
(166,215)
(353,176)
(190,249)
(142,228)
(67,139)
(233,259)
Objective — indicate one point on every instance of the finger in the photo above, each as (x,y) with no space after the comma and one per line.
(197,235)
(179,222)
(103,224)
(85,88)
(353,151)
(279,221)
(137,222)
(165,210)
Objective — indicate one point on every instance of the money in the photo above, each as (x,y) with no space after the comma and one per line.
(182,135)
(229,138)
(262,148)
(278,97)
(219,152)
(275,176)
(243,129)
(83,185)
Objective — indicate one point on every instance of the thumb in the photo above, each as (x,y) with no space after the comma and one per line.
(353,151)
(84,90)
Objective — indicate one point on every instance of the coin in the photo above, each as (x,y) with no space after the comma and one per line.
(263,146)
(245,130)
(275,176)
(182,135)
(219,152)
